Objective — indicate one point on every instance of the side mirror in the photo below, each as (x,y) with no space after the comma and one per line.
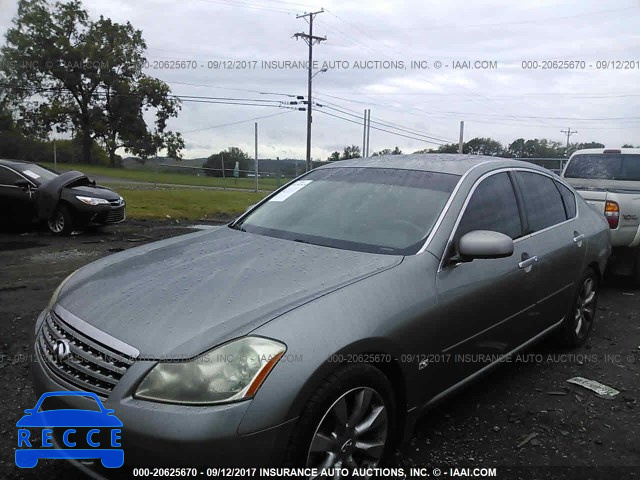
(22,183)
(484,244)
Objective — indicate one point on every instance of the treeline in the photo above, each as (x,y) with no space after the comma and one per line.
(17,146)
(519,148)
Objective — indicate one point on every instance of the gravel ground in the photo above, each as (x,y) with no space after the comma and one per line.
(520,418)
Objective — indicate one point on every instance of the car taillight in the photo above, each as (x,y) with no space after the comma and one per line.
(612,213)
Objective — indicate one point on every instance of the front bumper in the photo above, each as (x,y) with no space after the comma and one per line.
(156,434)
(99,214)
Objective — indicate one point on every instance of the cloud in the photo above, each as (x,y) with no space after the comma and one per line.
(504,102)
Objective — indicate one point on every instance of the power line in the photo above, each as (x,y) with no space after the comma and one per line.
(539,21)
(236,123)
(382,129)
(496,115)
(260,92)
(391,125)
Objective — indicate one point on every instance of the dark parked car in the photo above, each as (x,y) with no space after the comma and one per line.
(29,192)
(315,328)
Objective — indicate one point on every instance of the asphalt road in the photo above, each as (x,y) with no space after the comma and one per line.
(522,416)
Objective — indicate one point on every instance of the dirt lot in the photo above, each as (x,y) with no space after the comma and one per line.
(523,415)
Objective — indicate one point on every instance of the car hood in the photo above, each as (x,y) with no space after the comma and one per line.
(96,192)
(182,296)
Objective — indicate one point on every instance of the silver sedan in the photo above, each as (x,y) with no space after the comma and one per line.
(315,329)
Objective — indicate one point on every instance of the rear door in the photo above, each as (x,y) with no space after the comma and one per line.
(557,242)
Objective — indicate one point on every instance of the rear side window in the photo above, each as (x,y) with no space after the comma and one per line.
(492,206)
(609,166)
(569,200)
(7,177)
(543,203)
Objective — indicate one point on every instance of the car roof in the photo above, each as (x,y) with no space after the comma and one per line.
(601,150)
(452,163)
(14,163)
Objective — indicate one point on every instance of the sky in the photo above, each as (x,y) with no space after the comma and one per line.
(397,59)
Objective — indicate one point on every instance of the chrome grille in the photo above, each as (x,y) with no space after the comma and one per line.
(90,365)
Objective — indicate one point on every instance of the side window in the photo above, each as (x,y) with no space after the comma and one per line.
(569,200)
(542,201)
(493,206)
(7,177)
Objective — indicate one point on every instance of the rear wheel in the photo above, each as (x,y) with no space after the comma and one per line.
(348,423)
(61,221)
(579,321)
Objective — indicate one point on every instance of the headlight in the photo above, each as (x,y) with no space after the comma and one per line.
(92,200)
(233,371)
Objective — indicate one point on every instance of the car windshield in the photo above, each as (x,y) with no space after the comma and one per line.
(36,173)
(605,166)
(379,210)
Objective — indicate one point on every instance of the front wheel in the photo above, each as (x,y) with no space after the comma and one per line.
(61,221)
(579,322)
(348,423)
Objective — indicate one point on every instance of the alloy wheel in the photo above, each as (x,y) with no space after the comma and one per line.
(352,432)
(56,223)
(585,308)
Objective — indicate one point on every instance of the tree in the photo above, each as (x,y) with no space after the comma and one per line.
(447,148)
(535,148)
(334,156)
(230,156)
(627,145)
(388,151)
(483,146)
(63,71)
(352,151)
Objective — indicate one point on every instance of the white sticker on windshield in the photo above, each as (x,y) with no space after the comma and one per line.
(31,174)
(290,190)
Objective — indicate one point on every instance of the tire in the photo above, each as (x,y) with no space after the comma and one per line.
(324,437)
(61,221)
(579,322)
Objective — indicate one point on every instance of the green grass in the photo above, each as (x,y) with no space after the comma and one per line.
(141,175)
(186,203)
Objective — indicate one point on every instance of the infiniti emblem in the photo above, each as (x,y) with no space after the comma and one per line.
(62,350)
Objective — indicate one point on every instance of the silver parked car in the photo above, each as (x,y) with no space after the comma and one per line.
(315,328)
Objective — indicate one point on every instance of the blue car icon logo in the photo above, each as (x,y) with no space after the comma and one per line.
(69,433)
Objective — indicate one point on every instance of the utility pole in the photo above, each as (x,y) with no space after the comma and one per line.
(364,132)
(368,129)
(224,184)
(310,39)
(461,142)
(55,155)
(256,160)
(568,132)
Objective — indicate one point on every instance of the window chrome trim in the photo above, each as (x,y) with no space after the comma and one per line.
(447,206)
(517,240)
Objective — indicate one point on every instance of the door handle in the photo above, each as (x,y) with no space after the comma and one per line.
(578,238)
(527,263)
